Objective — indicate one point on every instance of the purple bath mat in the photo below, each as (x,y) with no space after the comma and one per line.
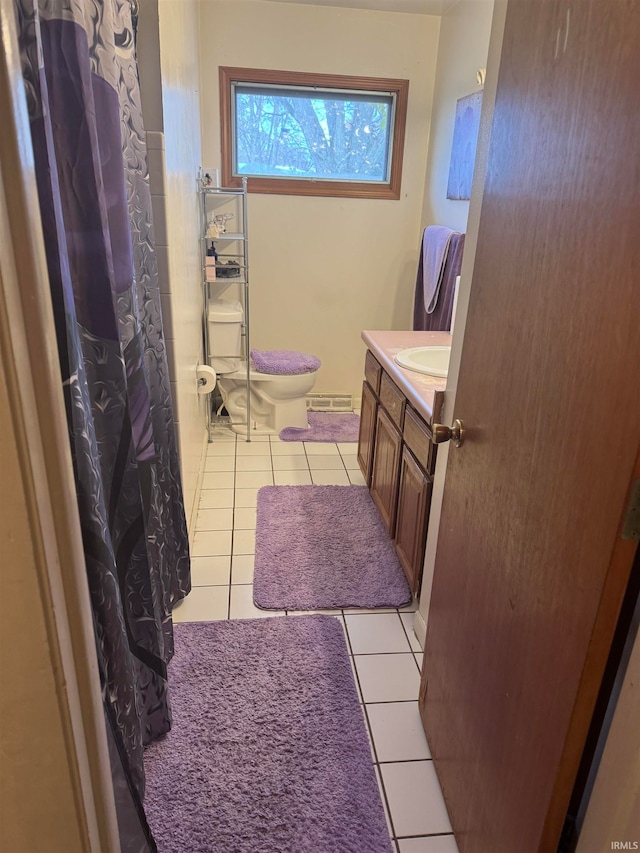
(268,750)
(325,426)
(324,548)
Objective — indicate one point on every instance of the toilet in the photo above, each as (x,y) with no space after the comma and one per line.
(278,398)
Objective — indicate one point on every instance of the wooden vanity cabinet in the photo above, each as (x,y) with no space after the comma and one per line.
(385,473)
(367,437)
(414,501)
(397,458)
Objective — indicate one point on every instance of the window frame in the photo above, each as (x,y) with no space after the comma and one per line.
(309,186)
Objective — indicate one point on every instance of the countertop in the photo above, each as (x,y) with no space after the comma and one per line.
(425,393)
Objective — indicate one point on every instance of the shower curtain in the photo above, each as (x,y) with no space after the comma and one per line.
(80,73)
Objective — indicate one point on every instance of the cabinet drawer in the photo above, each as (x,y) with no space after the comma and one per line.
(417,437)
(393,400)
(372,373)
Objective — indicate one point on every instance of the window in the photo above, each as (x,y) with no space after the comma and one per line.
(312,134)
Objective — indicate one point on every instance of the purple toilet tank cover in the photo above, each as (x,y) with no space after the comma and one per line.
(282,362)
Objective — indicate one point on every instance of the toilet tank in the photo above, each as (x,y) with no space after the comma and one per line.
(225,335)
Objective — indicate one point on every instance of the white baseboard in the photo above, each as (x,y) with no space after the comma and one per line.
(420,628)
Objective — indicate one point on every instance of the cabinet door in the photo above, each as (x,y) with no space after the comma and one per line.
(414,499)
(386,469)
(367,436)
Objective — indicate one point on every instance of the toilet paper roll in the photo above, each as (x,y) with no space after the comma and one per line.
(206,379)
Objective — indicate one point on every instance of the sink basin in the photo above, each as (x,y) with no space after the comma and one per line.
(434,361)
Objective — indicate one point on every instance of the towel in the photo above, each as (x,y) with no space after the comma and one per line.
(439,320)
(283,362)
(435,247)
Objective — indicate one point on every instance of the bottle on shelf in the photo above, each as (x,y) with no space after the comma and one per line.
(210,264)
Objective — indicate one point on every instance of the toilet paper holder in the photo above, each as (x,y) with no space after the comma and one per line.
(205,379)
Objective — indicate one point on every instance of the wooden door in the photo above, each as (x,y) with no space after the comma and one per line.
(366,439)
(414,497)
(386,469)
(530,567)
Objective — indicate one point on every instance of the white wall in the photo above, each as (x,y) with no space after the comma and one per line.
(462,50)
(613,813)
(492,52)
(168,52)
(323,269)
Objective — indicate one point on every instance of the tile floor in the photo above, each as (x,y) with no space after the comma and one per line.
(385,653)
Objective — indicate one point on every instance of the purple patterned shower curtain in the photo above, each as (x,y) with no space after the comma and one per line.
(80,72)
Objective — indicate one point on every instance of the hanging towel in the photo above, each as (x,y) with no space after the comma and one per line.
(440,319)
(435,247)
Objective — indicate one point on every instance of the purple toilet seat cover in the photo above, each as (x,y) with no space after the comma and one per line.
(282,362)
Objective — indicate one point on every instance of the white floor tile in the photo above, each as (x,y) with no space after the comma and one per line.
(242,568)
(326,463)
(246,498)
(211,543)
(415,800)
(356,478)
(386,810)
(419,658)
(256,438)
(254,448)
(355,679)
(358,611)
(335,613)
(290,463)
(244,542)
(321,448)
(210,571)
(330,478)
(348,448)
(373,754)
(388,678)
(253,479)
(220,463)
(242,606)
(411,607)
(287,448)
(222,435)
(376,634)
(214,519)
(221,448)
(292,478)
(397,731)
(429,844)
(253,463)
(218,480)
(244,518)
(216,498)
(407,619)
(203,604)
(350,461)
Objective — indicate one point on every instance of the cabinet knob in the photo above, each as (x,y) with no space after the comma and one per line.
(455,433)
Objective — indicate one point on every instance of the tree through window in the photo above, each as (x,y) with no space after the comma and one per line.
(312,134)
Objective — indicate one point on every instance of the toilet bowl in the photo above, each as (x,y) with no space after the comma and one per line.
(278,389)
(277,401)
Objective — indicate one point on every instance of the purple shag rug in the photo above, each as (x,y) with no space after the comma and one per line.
(325,426)
(324,548)
(268,750)
(284,362)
